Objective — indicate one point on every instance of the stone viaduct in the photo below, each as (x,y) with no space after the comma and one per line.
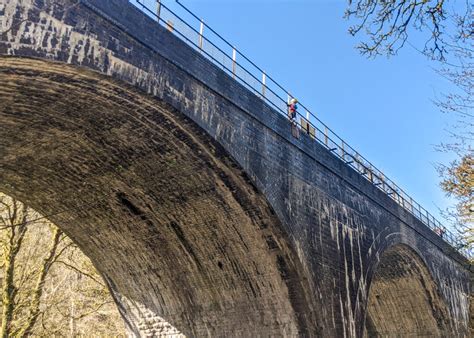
(191,196)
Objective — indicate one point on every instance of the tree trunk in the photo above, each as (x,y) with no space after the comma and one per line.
(16,234)
(35,303)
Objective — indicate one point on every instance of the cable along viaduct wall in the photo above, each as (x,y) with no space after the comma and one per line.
(202,212)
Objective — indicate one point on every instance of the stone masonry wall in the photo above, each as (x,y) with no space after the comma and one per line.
(337,224)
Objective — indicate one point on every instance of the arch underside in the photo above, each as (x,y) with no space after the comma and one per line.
(404,299)
(172,223)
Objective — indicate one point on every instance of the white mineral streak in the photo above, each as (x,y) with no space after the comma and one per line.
(51,35)
(10,8)
(303,259)
(452,290)
(3,21)
(350,320)
(341,307)
(362,283)
(333,315)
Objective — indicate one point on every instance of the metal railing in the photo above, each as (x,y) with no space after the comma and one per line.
(223,54)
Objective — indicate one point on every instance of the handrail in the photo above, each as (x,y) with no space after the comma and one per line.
(320,131)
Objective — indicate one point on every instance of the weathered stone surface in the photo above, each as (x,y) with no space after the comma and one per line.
(158,207)
(191,196)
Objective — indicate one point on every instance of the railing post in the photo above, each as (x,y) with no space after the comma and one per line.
(326,136)
(201,31)
(311,129)
(158,10)
(264,83)
(343,152)
(234,55)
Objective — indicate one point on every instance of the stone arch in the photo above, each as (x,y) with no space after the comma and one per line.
(404,300)
(174,225)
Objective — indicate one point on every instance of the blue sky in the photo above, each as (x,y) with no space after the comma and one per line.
(383,107)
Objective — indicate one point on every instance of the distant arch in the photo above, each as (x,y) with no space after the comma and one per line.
(403,298)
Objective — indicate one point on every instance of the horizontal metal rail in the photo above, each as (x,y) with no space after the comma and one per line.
(212,45)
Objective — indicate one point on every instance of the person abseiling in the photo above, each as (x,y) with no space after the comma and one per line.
(292,108)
